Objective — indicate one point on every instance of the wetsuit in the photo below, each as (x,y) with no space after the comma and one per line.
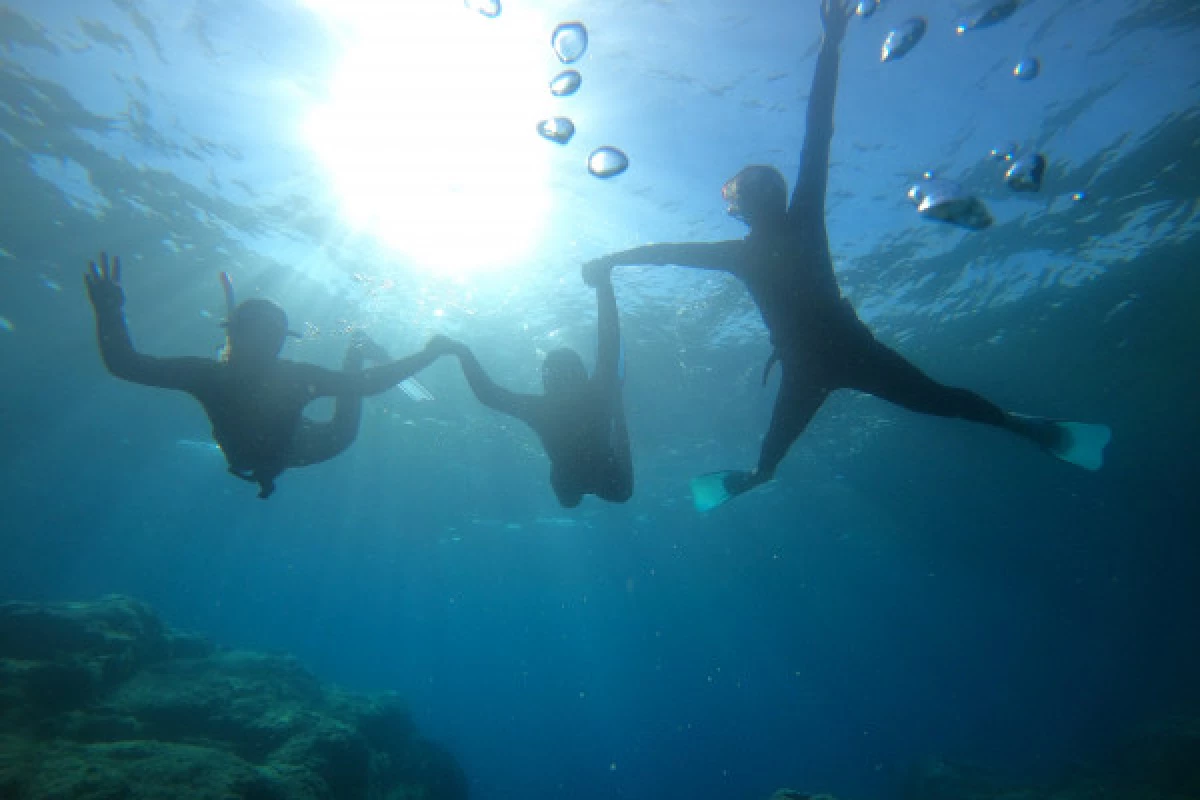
(583,432)
(256,414)
(818,339)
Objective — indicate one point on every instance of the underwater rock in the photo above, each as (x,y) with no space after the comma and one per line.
(134,769)
(101,700)
(54,658)
(1156,762)
(1163,756)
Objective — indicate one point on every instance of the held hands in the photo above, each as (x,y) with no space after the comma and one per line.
(104,283)
(441,345)
(597,271)
(835,16)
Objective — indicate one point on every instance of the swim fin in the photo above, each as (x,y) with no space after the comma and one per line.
(717,488)
(708,491)
(1078,443)
(1082,444)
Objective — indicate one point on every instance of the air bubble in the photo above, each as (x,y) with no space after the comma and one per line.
(1027,69)
(903,38)
(1005,152)
(566,83)
(556,129)
(489,8)
(986,14)
(570,41)
(607,162)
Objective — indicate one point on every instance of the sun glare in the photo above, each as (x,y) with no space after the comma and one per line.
(429,133)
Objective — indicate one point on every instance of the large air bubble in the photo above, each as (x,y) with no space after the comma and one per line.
(570,41)
(902,39)
(606,162)
(1027,69)
(556,129)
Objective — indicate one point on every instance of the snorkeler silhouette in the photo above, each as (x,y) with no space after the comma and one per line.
(579,420)
(817,338)
(254,399)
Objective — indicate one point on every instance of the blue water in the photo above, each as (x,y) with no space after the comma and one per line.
(908,587)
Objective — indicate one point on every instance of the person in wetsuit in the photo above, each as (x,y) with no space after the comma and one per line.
(254,399)
(818,340)
(579,420)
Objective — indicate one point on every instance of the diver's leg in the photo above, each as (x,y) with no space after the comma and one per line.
(800,395)
(320,441)
(877,369)
(885,373)
(798,400)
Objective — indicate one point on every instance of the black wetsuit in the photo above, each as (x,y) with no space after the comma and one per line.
(818,339)
(584,433)
(257,414)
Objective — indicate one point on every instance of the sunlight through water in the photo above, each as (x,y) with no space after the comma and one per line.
(428,130)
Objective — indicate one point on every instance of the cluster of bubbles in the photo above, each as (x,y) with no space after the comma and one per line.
(945,200)
(569,41)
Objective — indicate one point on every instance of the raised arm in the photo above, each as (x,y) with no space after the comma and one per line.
(323,382)
(103,282)
(808,195)
(608,338)
(725,256)
(522,406)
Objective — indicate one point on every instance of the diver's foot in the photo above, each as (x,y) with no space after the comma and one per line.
(739,482)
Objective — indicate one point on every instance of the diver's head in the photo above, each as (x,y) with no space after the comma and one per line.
(756,195)
(563,371)
(257,329)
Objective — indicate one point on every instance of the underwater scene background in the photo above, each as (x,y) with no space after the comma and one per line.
(906,589)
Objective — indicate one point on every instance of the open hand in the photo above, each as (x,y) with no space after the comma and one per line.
(835,16)
(104,283)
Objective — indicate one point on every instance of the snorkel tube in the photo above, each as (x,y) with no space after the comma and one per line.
(230,300)
(230,305)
